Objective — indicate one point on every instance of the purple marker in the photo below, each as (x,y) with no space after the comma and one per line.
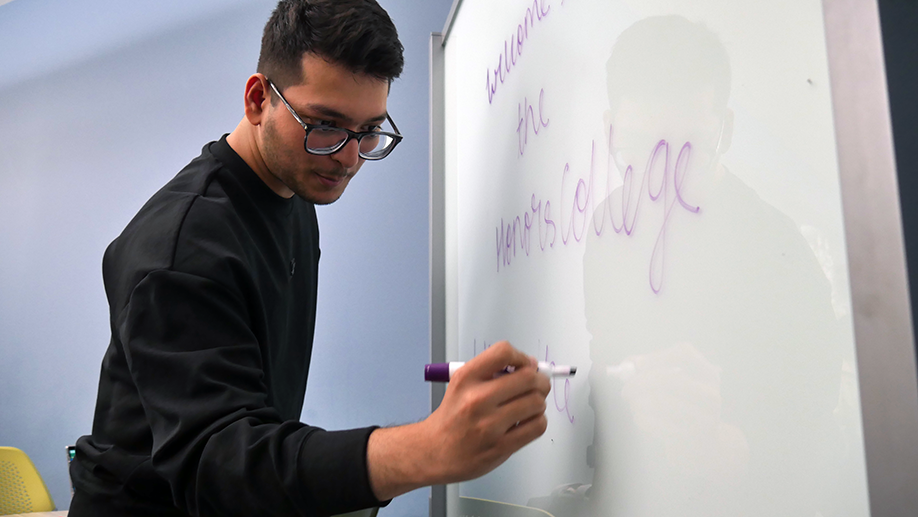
(442,372)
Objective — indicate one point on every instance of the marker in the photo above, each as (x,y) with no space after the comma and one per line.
(442,372)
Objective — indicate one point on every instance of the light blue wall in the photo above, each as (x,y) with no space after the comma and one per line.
(103,101)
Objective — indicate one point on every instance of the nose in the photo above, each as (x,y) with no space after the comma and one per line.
(347,156)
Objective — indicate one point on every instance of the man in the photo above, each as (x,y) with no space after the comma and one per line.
(212,291)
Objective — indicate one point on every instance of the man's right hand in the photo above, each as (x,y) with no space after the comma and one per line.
(483,419)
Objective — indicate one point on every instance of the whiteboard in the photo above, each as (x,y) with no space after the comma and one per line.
(650,190)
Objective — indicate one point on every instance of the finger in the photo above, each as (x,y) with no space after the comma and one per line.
(543,384)
(529,380)
(507,388)
(519,435)
(521,409)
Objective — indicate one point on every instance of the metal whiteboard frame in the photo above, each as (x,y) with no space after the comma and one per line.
(883,334)
(884,339)
(437,237)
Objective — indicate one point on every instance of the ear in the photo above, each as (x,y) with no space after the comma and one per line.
(256,98)
(726,133)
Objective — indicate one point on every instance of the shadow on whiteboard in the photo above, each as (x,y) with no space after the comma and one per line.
(716,352)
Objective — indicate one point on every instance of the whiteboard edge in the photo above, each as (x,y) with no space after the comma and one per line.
(437,239)
(448,26)
(884,338)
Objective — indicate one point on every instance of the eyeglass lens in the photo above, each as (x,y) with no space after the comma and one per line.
(328,140)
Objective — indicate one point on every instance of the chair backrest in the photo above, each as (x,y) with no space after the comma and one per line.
(21,488)
(474,507)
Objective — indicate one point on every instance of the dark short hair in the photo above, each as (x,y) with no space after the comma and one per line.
(357,34)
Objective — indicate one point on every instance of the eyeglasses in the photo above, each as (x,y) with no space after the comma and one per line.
(324,140)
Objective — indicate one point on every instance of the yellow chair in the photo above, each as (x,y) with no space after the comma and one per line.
(474,507)
(21,487)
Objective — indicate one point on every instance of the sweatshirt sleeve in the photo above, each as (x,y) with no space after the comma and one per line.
(223,451)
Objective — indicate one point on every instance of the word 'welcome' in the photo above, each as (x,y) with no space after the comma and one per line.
(513,47)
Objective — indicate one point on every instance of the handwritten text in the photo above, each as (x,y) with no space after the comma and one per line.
(513,47)
(517,234)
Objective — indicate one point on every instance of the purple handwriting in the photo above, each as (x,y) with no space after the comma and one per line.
(517,234)
(566,396)
(527,119)
(484,346)
(513,48)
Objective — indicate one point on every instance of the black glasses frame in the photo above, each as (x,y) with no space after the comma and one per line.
(351,135)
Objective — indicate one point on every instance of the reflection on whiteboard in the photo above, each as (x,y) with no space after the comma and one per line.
(630,201)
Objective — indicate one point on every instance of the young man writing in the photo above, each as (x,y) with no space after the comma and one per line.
(212,292)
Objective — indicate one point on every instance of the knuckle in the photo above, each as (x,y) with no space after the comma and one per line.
(534,378)
(543,425)
(473,402)
(535,405)
(501,347)
(466,412)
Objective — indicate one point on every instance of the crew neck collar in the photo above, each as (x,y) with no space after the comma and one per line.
(251,181)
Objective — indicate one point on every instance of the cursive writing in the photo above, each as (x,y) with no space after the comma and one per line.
(666,190)
(566,393)
(513,47)
(527,119)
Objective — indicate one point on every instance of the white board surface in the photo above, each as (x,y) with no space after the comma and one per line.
(649,190)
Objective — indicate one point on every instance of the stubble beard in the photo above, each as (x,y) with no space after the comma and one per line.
(281,162)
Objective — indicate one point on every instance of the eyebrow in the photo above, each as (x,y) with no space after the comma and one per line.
(332,113)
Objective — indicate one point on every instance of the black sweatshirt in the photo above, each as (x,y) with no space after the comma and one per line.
(212,293)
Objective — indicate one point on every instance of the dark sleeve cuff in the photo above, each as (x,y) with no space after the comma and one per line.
(333,465)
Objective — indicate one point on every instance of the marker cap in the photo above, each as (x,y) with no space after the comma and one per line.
(437,372)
